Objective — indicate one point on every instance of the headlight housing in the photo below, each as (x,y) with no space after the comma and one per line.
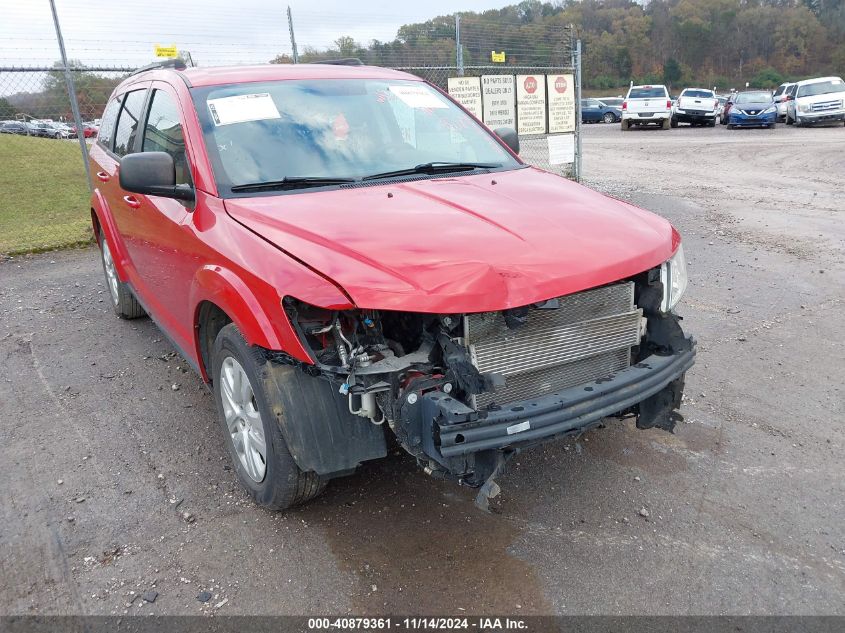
(673,275)
(770,110)
(804,107)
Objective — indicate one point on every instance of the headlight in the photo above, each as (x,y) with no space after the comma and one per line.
(673,274)
(770,110)
(804,107)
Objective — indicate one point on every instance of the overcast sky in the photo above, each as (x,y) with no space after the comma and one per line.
(124,32)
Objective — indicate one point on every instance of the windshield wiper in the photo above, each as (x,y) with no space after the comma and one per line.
(292,182)
(432,168)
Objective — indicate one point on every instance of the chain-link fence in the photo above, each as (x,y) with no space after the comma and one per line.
(49,110)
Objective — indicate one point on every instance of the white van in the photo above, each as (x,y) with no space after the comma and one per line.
(816,100)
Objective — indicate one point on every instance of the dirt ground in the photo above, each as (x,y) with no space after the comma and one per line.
(115,481)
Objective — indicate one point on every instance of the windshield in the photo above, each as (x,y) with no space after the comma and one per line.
(701,94)
(821,88)
(337,129)
(647,93)
(753,97)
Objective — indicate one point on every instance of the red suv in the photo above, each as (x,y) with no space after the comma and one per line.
(343,252)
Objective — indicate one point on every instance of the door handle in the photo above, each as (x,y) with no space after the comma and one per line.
(132,201)
(102,176)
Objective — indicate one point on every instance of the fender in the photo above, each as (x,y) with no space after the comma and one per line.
(225,289)
(100,209)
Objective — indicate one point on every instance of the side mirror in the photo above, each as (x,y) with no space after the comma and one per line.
(509,137)
(153,174)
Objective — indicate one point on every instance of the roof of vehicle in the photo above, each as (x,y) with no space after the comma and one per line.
(804,82)
(703,89)
(650,86)
(217,75)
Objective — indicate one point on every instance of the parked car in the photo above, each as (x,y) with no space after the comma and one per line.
(696,106)
(645,105)
(41,128)
(334,283)
(14,127)
(595,111)
(781,98)
(726,109)
(816,101)
(613,102)
(88,130)
(722,101)
(61,130)
(753,108)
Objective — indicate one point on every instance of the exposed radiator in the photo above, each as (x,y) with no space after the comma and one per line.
(589,336)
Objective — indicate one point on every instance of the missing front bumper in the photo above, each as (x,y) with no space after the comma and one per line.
(462,439)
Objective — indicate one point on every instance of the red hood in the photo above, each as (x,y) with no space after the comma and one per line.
(462,244)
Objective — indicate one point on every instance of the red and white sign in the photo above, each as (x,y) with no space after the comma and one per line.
(561,84)
(561,103)
(530,104)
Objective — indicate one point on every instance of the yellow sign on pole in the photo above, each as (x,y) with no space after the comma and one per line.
(166,51)
(497,57)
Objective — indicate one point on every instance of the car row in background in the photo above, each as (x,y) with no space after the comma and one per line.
(47,129)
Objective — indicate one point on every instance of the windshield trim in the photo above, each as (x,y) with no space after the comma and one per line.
(199,95)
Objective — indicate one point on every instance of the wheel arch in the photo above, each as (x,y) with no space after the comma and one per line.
(219,296)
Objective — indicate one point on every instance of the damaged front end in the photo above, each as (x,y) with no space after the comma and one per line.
(463,392)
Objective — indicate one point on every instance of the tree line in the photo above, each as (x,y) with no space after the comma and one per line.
(720,43)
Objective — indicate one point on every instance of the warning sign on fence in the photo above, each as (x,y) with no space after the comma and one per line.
(561,89)
(467,92)
(498,98)
(166,51)
(531,104)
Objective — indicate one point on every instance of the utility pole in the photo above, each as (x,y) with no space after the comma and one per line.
(459,49)
(71,93)
(292,38)
(578,111)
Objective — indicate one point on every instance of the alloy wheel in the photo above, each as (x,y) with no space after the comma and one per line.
(243,420)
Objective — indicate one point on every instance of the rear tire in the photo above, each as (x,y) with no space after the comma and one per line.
(665,124)
(608,117)
(246,413)
(123,302)
(626,125)
(712,123)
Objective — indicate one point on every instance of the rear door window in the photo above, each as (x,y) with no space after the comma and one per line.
(128,123)
(109,118)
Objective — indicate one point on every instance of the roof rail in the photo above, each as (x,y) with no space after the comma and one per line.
(346,61)
(175,64)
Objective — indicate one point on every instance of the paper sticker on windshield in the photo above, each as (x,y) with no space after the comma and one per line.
(242,108)
(417,97)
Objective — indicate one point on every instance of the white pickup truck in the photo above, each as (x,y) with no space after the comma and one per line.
(645,105)
(696,106)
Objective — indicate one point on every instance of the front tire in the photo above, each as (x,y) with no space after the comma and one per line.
(253,435)
(674,122)
(123,302)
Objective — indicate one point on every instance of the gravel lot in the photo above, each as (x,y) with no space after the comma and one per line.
(114,481)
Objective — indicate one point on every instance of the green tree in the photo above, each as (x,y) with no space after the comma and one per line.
(672,71)
(7,110)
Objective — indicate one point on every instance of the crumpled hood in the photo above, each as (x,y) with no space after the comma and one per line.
(464,244)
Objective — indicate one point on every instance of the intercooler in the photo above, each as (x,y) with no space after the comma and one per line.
(588,336)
